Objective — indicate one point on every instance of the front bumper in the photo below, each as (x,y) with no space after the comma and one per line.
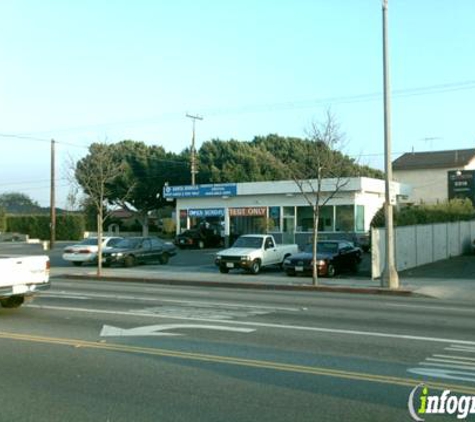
(23,289)
(233,263)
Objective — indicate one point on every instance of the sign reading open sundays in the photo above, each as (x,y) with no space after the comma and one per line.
(195,191)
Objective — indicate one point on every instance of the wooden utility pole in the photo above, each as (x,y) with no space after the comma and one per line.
(52,198)
(194,169)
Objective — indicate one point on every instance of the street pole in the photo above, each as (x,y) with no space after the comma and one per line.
(389,277)
(193,149)
(52,198)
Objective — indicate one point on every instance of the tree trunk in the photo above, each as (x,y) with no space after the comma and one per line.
(314,246)
(145,225)
(99,243)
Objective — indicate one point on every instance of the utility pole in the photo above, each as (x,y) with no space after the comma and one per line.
(52,198)
(193,149)
(389,277)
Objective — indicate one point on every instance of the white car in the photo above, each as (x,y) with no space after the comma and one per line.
(86,251)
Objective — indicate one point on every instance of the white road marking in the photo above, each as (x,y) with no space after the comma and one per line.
(438,308)
(265,325)
(449,365)
(463,349)
(157,330)
(443,373)
(461,358)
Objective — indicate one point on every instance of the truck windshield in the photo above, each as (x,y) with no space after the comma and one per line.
(248,242)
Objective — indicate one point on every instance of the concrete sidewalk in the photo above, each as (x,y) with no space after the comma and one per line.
(210,276)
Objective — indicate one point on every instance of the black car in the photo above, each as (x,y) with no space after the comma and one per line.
(139,250)
(333,256)
(201,237)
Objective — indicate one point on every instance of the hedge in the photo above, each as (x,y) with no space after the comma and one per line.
(68,226)
(453,210)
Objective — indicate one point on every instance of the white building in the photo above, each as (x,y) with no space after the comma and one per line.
(280,208)
(427,172)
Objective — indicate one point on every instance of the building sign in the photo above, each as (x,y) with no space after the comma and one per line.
(461,184)
(195,191)
(203,213)
(248,212)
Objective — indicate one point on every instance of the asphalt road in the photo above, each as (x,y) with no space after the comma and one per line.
(108,351)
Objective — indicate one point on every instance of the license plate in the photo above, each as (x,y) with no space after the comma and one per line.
(229,265)
(299,268)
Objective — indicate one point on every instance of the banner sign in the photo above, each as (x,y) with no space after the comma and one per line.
(196,191)
(202,213)
(461,184)
(248,212)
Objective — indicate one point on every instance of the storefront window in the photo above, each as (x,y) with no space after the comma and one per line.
(345,218)
(274,219)
(183,218)
(304,219)
(360,218)
(325,221)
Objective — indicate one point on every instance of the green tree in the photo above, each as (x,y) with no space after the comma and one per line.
(17,202)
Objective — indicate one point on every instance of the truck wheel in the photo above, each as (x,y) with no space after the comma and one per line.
(331,271)
(163,258)
(77,263)
(223,270)
(12,302)
(255,266)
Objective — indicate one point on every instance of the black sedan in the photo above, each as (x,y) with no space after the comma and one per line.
(199,238)
(139,250)
(333,256)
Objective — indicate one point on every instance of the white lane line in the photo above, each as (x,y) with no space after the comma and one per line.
(185,302)
(455,357)
(463,349)
(443,373)
(445,365)
(438,308)
(452,361)
(265,325)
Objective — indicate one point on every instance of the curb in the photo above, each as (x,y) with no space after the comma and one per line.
(246,285)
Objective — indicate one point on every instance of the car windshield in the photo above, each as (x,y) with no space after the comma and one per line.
(128,243)
(248,242)
(90,241)
(325,247)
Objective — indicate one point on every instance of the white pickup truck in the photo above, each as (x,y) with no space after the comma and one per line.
(252,252)
(22,277)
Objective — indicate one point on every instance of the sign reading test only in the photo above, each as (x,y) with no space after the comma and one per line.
(248,212)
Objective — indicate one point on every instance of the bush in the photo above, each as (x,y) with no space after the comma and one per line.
(68,226)
(3,220)
(454,210)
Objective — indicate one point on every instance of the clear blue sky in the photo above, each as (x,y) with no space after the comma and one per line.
(91,70)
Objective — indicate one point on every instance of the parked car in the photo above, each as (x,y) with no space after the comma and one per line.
(252,252)
(86,251)
(333,256)
(204,236)
(139,250)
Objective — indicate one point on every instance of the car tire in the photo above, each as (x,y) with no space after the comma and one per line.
(223,270)
(129,261)
(12,302)
(331,271)
(77,263)
(163,259)
(290,273)
(255,267)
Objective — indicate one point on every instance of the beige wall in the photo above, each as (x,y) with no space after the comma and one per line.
(428,186)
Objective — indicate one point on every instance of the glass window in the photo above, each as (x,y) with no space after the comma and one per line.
(360,218)
(304,219)
(345,218)
(274,219)
(289,211)
(325,221)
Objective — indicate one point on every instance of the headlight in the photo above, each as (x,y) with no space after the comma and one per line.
(244,258)
(321,262)
(286,261)
(218,257)
(117,254)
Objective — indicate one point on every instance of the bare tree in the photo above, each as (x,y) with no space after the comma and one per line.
(330,173)
(94,173)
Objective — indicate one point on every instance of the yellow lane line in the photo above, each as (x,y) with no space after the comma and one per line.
(308,370)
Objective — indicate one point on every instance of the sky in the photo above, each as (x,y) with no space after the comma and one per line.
(90,71)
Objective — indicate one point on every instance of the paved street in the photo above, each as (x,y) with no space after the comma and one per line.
(94,350)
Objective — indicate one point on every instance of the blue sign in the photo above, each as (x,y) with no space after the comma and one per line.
(196,191)
(202,213)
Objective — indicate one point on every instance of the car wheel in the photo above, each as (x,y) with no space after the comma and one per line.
(129,261)
(12,302)
(163,259)
(255,266)
(331,270)
(223,270)
(290,273)
(77,263)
